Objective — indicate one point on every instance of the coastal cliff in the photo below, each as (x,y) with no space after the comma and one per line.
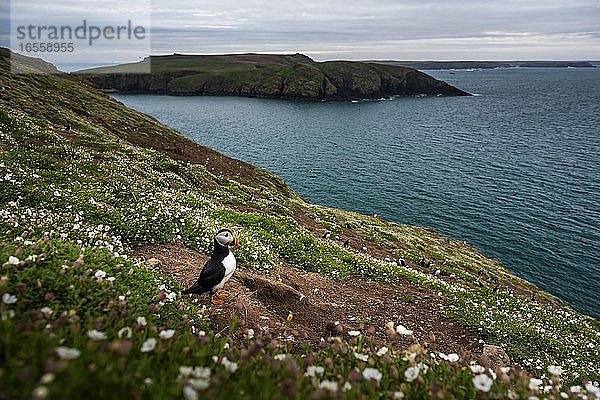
(292,77)
(106,215)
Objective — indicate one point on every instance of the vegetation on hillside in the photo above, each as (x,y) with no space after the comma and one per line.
(265,75)
(81,316)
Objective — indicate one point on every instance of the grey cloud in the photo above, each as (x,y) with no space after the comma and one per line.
(379,20)
(416,29)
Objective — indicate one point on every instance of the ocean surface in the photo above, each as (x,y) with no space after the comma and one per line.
(514,170)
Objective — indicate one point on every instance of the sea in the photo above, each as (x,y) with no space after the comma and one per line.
(514,169)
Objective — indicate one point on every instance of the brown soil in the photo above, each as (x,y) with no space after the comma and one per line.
(264,301)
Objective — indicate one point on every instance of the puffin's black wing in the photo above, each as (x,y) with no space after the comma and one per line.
(212,274)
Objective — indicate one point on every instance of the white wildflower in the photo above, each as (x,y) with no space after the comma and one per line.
(199,383)
(47,378)
(347,386)
(534,383)
(124,333)
(372,373)
(171,296)
(47,311)
(593,389)
(477,369)
(353,333)
(361,357)
(167,334)
(100,274)
(411,373)
(40,392)
(185,371)
(453,357)
(12,260)
(555,370)
(329,385)
(482,382)
(250,334)
(402,330)
(8,298)
(141,321)
(398,395)
(382,351)
(148,345)
(201,372)
(67,353)
(314,370)
(229,365)
(96,335)
(280,357)
(189,393)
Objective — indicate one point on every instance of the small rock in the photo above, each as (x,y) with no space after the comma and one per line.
(496,355)
(152,262)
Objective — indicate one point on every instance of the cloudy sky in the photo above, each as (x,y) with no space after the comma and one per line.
(405,29)
(347,29)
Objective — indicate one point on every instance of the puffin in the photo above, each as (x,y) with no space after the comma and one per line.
(218,269)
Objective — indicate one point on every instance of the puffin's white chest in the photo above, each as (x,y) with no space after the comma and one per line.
(230,264)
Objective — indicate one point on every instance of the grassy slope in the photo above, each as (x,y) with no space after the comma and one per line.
(76,203)
(196,63)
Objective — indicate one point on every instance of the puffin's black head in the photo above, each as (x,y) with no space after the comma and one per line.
(225,239)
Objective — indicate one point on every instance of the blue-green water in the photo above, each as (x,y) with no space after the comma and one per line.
(514,170)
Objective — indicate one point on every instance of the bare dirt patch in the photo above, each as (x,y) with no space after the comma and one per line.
(320,307)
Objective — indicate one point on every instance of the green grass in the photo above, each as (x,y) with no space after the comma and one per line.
(221,64)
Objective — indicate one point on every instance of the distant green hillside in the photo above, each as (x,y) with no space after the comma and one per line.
(267,75)
(432,65)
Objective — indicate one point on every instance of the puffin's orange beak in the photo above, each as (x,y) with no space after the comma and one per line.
(236,243)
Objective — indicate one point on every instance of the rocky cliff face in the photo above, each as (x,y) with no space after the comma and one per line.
(300,78)
(135,83)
